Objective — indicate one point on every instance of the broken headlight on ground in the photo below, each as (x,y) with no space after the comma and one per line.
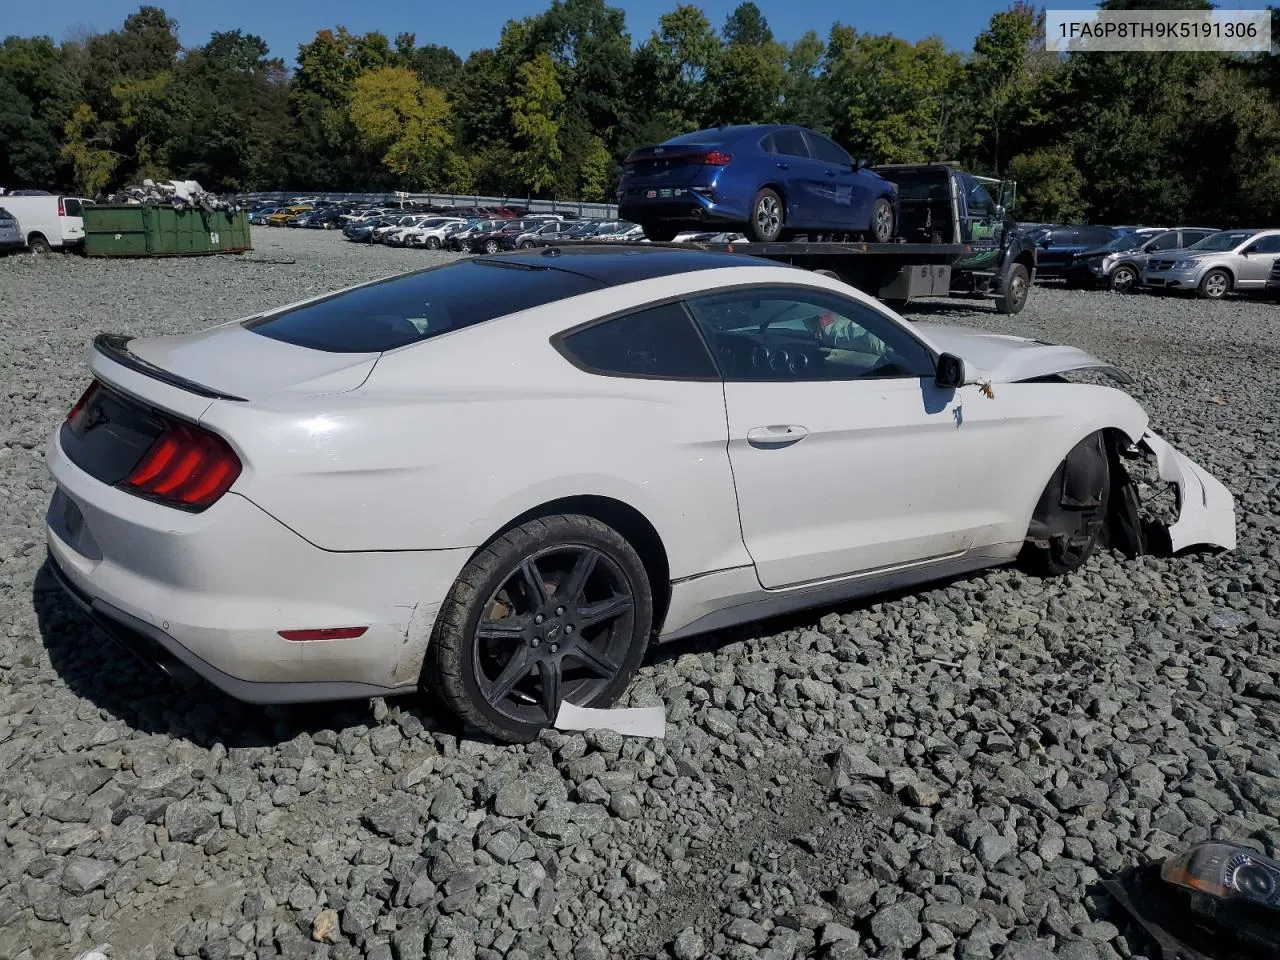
(1220,900)
(1226,871)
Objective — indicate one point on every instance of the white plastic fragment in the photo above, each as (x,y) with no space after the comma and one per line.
(629,721)
(96,953)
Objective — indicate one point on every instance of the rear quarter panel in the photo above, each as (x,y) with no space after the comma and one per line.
(450,440)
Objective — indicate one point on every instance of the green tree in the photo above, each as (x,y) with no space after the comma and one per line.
(87,146)
(535,108)
(802,84)
(395,114)
(597,172)
(1049,185)
(891,100)
(37,98)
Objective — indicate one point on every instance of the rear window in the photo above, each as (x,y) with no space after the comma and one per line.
(70,207)
(408,309)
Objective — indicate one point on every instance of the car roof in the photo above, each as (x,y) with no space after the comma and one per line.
(611,266)
(732,132)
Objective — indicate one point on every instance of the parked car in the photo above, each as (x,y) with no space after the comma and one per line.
(623,232)
(770,180)
(1230,260)
(432,235)
(498,237)
(1118,264)
(327,219)
(460,239)
(259,217)
(1056,245)
(538,235)
(48,221)
(11,237)
(307,504)
(284,214)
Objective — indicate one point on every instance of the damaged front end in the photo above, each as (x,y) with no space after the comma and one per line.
(1203,511)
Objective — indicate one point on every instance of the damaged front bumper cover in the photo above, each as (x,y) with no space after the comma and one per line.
(1206,508)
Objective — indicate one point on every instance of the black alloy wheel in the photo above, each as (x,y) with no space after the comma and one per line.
(555,609)
(559,627)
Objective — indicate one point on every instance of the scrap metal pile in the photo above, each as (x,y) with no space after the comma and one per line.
(179,194)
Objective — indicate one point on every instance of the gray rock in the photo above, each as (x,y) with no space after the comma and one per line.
(688,945)
(80,875)
(746,931)
(514,799)
(188,821)
(897,925)
(396,818)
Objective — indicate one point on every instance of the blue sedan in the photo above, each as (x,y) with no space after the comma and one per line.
(771,181)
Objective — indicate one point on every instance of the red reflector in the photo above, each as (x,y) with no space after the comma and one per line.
(185,467)
(325,633)
(73,417)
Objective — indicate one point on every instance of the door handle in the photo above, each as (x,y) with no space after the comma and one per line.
(783,166)
(831,173)
(778,435)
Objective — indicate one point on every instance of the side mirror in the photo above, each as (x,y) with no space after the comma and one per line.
(950,373)
(1250,250)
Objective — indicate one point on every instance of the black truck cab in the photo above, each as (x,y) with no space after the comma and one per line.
(940,203)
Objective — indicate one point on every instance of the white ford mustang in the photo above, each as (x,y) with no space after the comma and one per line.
(502,477)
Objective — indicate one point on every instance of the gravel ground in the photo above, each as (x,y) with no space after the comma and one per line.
(942,774)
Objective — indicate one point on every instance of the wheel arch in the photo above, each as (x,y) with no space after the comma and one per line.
(777,187)
(1222,267)
(634,527)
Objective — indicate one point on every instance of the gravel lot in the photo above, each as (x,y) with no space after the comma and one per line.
(946,773)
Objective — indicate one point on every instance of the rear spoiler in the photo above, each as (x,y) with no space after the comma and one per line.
(115,346)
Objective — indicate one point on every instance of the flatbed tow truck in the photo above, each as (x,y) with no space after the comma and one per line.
(953,240)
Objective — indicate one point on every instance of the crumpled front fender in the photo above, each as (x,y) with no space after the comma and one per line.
(1206,509)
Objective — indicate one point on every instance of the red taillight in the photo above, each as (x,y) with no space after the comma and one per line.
(185,467)
(325,633)
(77,411)
(716,158)
(62,210)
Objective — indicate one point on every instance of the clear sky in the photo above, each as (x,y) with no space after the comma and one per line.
(466,25)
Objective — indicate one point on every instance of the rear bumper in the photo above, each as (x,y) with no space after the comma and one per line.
(688,206)
(210,592)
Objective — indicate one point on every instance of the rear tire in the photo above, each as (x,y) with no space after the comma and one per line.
(1215,285)
(512,641)
(433,243)
(659,232)
(1071,516)
(882,221)
(767,217)
(38,244)
(1016,289)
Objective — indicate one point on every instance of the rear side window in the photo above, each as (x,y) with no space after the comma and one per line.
(790,142)
(1164,241)
(659,343)
(70,207)
(402,310)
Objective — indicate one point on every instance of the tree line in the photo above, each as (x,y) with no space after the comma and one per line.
(553,108)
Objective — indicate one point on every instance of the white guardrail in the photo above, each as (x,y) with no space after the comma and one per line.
(583,208)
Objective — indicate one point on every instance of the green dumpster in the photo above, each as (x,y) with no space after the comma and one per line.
(138,230)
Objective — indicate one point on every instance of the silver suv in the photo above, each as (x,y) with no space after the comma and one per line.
(1238,260)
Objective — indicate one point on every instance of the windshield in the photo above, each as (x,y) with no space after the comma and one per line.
(1227,240)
